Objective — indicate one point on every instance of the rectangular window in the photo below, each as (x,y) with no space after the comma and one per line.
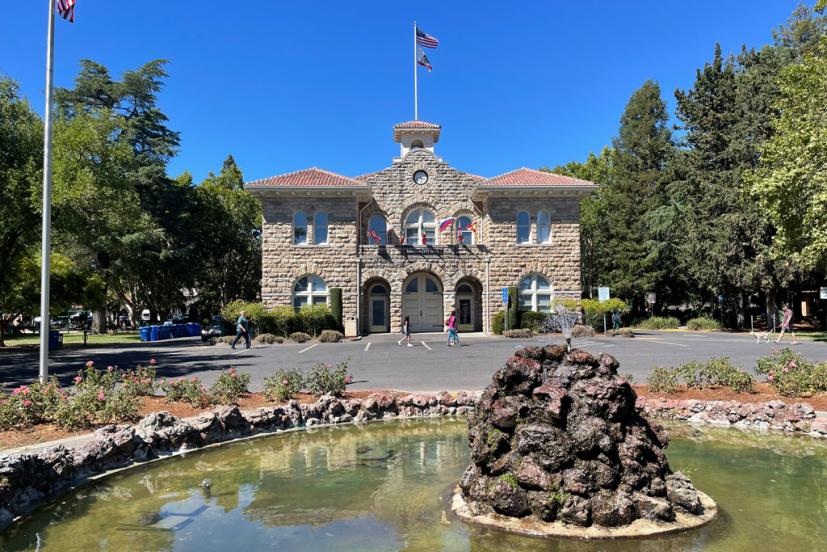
(412,236)
(543,302)
(300,235)
(523,227)
(299,301)
(524,302)
(320,228)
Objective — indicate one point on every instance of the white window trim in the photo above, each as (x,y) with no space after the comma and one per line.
(533,291)
(421,226)
(537,233)
(473,234)
(309,293)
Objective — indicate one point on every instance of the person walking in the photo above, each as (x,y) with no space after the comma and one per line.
(242,327)
(787,325)
(452,329)
(616,320)
(406,332)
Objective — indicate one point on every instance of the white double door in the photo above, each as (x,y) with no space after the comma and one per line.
(422,303)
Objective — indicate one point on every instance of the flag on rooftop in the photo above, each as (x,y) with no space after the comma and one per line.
(423,60)
(426,40)
(66,9)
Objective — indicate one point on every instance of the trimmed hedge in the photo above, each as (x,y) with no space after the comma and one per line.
(533,321)
(703,323)
(498,323)
(519,332)
(336,307)
(513,313)
(660,323)
(330,336)
(283,320)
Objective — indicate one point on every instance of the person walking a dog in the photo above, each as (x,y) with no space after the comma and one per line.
(787,325)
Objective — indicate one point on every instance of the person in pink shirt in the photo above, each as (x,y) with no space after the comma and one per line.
(453,338)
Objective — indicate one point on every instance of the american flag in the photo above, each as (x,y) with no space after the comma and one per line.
(423,60)
(424,39)
(66,9)
(372,234)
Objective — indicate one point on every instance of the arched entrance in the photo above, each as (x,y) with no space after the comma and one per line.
(379,308)
(422,302)
(468,304)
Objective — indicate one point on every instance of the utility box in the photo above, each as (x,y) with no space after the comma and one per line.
(350,327)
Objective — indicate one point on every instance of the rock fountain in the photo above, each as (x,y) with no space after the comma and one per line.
(558,448)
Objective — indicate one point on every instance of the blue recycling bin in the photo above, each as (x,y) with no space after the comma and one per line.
(146,333)
(55,340)
(164,332)
(194,329)
(153,333)
(180,330)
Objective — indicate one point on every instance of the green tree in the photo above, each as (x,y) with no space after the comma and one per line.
(21,137)
(791,182)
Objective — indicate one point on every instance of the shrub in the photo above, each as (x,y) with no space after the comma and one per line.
(141,380)
(622,332)
(793,375)
(30,404)
(330,336)
(315,318)
(703,323)
(336,307)
(717,372)
(497,323)
(299,337)
(228,339)
(324,379)
(513,303)
(627,377)
(659,323)
(283,385)
(257,314)
(229,387)
(285,320)
(519,332)
(187,390)
(531,320)
(268,338)
(663,380)
(579,330)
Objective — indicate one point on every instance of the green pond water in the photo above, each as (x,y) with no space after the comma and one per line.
(382,487)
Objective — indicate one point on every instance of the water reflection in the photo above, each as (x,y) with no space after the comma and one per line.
(379,487)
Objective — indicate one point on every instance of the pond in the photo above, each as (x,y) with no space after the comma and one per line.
(381,487)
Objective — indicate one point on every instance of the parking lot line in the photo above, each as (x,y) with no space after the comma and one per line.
(308,348)
(367,347)
(426,345)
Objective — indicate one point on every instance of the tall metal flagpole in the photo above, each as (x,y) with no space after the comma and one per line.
(47,203)
(416,97)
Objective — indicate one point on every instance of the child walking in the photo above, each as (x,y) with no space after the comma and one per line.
(453,339)
(406,332)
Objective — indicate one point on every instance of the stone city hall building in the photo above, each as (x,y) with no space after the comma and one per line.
(419,239)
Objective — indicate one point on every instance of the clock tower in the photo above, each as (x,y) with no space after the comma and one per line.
(415,135)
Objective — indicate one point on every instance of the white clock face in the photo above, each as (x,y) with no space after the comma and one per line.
(420,177)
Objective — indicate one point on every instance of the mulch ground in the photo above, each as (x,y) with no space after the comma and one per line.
(50,432)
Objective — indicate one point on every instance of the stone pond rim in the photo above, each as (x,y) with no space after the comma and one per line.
(558,448)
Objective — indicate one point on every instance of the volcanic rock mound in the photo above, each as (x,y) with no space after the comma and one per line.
(556,436)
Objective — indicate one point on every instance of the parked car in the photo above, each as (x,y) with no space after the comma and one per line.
(219,326)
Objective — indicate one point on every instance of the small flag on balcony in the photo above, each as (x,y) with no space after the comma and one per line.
(445,224)
(472,227)
(66,9)
(377,239)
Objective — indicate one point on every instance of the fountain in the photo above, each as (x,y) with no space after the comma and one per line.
(558,449)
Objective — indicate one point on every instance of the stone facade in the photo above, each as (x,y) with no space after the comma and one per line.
(352,261)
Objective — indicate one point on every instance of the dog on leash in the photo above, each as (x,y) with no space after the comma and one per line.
(759,336)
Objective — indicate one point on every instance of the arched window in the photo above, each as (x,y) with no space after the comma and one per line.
(309,290)
(300,228)
(320,228)
(417,144)
(523,227)
(535,294)
(464,235)
(543,227)
(377,227)
(420,227)
(464,288)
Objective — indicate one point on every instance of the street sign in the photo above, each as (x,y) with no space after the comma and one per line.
(505,296)
(602,294)
(823,293)
(650,297)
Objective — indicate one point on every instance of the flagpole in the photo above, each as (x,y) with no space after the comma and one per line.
(416,97)
(45,268)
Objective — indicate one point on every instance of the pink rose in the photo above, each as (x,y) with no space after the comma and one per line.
(769,376)
(152,362)
(194,378)
(17,391)
(285,382)
(27,403)
(110,368)
(101,396)
(786,370)
(792,364)
(78,379)
(90,363)
(348,379)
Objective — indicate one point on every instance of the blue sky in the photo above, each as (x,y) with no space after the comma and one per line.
(288,85)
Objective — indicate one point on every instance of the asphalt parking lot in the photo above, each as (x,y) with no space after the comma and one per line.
(377,362)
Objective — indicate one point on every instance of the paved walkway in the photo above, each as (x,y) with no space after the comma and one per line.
(378,362)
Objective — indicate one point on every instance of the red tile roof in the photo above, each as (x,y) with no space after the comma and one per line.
(312,177)
(530,177)
(417,124)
